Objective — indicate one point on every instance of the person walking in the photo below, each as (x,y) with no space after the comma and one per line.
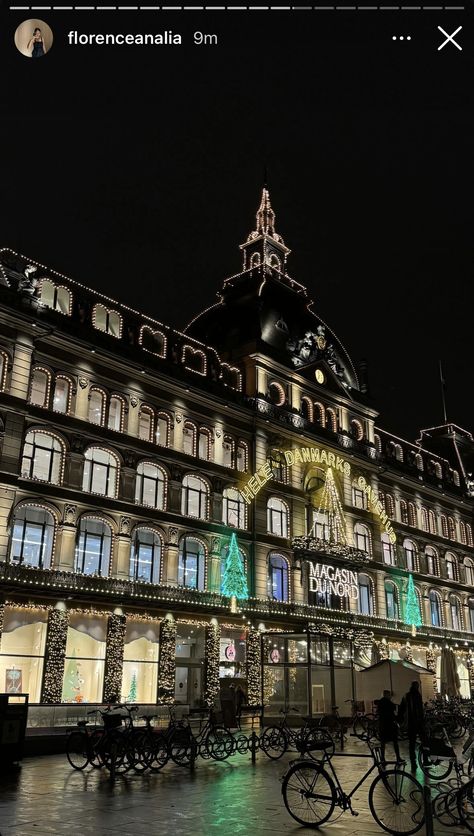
(411,708)
(388,726)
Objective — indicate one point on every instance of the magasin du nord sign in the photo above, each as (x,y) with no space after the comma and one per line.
(324,578)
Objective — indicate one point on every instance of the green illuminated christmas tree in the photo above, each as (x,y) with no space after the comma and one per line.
(234,582)
(72,680)
(412,607)
(132,694)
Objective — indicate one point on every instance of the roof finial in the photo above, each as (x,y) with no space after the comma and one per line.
(265,215)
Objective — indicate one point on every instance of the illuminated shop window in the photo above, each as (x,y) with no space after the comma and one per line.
(150,487)
(232,653)
(101,469)
(191,563)
(84,666)
(391,600)
(43,457)
(435,609)
(411,555)
(278,578)
(62,394)
(145,555)
(22,651)
(97,403)
(32,539)
(40,387)
(388,550)
(277,517)
(140,661)
(234,509)
(106,320)
(54,297)
(432,562)
(195,497)
(93,547)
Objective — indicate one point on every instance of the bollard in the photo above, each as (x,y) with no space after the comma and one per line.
(428,810)
(253,745)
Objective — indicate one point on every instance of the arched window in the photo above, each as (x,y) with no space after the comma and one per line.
(278,466)
(411,514)
(278,578)
(359,497)
(146,423)
(191,563)
(366,595)
(254,260)
(93,547)
(307,410)
(419,462)
(456,612)
(469,571)
(189,438)
(32,542)
(204,444)
(404,511)
(228,454)
(40,387)
(62,394)
(276,393)
(163,429)
(391,600)
(397,451)
(150,487)
(195,497)
(411,555)
(469,534)
(101,472)
(234,509)
(54,297)
(362,538)
(462,533)
(389,506)
(444,526)
(152,341)
(451,566)
(275,262)
(437,469)
(106,320)
(4,361)
(116,413)
(97,404)
(388,550)
(432,563)
(43,457)
(277,517)
(357,430)
(432,522)
(470,605)
(424,519)
(145,555)
(242,456)
(451,528)
(331,419)
(436,611)
(320,414)
(378,444)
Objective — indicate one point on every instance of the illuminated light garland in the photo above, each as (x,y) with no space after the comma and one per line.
(109,329)
(114,657)
(5,361)
(167,662)
(56,287)
(103,395)
(154,334)
(254,667)
(2,617)
(47,395)
(55,654)
(212,687)
(71,386)
(187,355)
(51,434)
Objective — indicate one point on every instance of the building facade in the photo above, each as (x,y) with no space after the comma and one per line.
(130,452)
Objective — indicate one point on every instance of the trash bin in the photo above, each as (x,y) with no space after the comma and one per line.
(13,717)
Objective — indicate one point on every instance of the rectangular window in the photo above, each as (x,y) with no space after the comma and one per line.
(22,651)
(140,661)
(83,679)
(359,499)
(232,654)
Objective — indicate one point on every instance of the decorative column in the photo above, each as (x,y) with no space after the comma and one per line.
(82,398)
(133,416)
(66,541)
(170,567)
(297,587)
(121,561)
(167,663)
(254,667)
(21,367)
(114,657)
(55,653)
(214,565)
(211,686)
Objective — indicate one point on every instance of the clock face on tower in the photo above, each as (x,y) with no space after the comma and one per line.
(319,375)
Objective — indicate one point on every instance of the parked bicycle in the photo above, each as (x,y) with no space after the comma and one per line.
(111,745)
(311,791)
(213,740)
(277,739)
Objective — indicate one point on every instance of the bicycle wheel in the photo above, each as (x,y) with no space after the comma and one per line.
(95,744)
(309,793)
(465,801)
(220,743)
(156,752)
(182,747)
(317,742)
(137,744)
(274,742)
(77,749)
(396,802)
(433,767)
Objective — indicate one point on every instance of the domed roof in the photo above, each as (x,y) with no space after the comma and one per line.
(263,309)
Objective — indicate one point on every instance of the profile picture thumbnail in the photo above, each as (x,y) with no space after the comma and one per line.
(33,38)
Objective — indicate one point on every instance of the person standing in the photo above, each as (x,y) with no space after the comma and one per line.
(411,707)
(36,44)
(388,727)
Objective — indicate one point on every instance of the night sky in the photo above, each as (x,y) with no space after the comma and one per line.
(138,172)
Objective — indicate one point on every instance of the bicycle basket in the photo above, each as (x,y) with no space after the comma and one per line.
(112,721)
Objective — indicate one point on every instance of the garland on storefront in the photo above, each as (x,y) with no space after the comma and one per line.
(2,615)
(167,664)
(360,638)
(211,687)
(383,649)
(408,652)
(470,667)
(114,658)
(254,667)
(55,653)
(431,665)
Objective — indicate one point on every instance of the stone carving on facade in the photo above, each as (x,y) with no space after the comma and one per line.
(70,514)
(176,473)
(78,444)
(178,417)
(173,536)
(28,283)
(125,525)
(83,382)
(133,402)
(216,545)
(130,458)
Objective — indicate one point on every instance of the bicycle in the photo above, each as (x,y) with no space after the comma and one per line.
(212,740)
(276,740)
(103,746)
(311,791)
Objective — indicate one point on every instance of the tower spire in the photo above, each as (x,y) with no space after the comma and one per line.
(264,245)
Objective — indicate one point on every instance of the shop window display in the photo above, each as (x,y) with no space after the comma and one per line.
(140,661)
(85,658)
(22,651)
(232,653)
(190,655)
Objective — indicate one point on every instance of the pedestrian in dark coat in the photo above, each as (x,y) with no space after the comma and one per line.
(411,707)
(388,726)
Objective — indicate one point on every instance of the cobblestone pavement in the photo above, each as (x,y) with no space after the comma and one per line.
(234,797)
